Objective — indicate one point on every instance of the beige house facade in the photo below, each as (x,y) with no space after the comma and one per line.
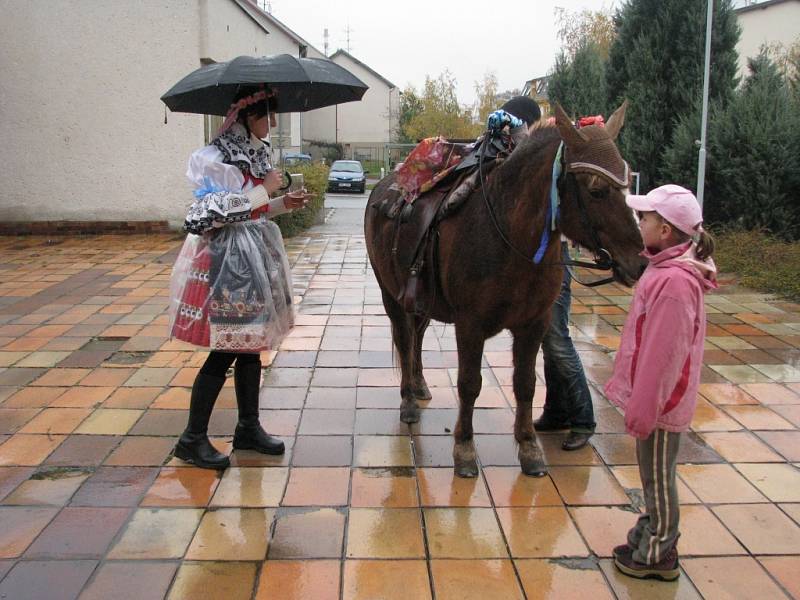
(771,23)
(362,128)
(86,137)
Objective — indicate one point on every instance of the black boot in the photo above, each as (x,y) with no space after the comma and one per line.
(249,433)
(193,445)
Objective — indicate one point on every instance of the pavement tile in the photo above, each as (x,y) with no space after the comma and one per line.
(78,532)
(442,488)
(784,570)
(778,482)
(474,580)
(719,483)
(123,580)
(115,486)
(510,487)
(541,532)
(301,579)
(761,528)
(185,487)
(385,533)
(50,579)
(214,581)
(141,451)
(157,533)
(81,397)
(391,487)
(307,533)
(48,487)
(730,577)
(28,449)
(83,451)
(250,487)
(445,530)
(543,579)
(317,486)
(19,526)
(232,534)
(389,580)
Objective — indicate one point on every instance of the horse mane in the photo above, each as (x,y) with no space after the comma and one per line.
(535,150)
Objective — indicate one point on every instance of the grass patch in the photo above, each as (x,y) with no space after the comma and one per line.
(761,261)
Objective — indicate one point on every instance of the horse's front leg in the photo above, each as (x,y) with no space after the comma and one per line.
(526,345)
(470,350)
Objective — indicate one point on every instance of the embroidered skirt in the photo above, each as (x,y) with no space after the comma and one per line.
(231,289)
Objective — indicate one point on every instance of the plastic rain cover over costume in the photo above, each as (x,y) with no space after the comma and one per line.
(231,286)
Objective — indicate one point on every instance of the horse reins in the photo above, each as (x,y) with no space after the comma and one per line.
(603,260)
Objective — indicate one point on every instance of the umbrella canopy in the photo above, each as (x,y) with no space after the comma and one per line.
(299,84)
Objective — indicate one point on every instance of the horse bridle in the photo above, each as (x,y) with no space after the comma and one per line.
(603,260)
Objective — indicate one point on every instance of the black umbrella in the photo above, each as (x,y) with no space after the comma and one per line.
(299,84)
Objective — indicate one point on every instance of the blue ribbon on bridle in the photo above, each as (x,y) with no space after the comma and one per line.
(552,208)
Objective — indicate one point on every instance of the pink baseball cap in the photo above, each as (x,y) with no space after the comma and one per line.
(676,204)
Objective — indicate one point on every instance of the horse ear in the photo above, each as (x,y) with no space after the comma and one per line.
(569,134)
(616,120)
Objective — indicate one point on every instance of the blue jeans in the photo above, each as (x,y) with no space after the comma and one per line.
(568,399)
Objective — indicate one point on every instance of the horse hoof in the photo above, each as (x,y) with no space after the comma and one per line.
(422,392)
(534,470)
(467,470)
(409,415)
(531,460)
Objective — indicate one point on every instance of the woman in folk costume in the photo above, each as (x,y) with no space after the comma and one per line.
(231,289)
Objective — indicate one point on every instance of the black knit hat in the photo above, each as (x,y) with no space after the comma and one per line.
(524,108)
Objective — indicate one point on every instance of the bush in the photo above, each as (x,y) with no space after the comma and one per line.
(761,261)
(316,178)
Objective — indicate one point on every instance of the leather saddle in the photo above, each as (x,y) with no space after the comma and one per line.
(416,233)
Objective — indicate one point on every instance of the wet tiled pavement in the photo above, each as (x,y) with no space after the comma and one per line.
(92,396)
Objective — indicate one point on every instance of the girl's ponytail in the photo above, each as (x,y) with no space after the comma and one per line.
(705,245)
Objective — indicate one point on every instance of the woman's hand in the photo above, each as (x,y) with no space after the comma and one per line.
(296,199)
(273,181)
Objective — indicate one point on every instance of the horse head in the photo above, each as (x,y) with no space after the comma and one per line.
(593,185)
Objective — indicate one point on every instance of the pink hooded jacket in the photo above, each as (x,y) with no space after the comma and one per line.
(657,368)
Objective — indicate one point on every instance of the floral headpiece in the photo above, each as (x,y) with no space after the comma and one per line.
(233,111)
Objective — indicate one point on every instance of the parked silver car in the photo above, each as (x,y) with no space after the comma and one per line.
(347,176)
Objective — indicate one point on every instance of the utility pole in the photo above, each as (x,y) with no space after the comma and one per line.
(325,43)
(701,161)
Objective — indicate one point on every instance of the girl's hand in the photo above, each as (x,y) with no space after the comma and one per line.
(273,181)
(297,199)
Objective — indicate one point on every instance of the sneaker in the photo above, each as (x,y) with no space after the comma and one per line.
(666,569)
(622,550)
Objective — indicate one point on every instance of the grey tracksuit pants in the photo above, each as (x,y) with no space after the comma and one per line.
(656,531)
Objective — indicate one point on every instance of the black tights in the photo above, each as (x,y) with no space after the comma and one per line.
(218,363)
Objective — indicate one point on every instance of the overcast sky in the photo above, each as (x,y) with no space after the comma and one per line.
(405,40)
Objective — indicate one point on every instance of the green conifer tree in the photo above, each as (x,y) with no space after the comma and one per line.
(656,62)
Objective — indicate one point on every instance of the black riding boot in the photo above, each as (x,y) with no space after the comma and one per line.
(194,446)
(249,433)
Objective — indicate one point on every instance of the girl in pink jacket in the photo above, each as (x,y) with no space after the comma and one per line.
(657,368)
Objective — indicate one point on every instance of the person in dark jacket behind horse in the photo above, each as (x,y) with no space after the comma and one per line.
(568,403)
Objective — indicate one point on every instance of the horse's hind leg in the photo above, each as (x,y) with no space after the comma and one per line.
(420,386)
(470,350)
(526,346)
(404,336)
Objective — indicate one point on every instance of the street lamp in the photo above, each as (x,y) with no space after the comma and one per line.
(701,166)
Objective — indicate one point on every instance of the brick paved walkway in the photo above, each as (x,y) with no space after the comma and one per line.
(92,397)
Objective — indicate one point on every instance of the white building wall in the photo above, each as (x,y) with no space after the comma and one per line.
(368,121)
(80,114)
(770,24)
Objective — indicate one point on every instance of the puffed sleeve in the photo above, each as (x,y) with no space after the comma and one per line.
(218,191)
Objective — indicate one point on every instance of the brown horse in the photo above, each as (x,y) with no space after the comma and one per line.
(485,285)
